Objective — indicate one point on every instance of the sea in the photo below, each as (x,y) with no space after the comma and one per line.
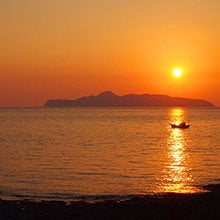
(101,153)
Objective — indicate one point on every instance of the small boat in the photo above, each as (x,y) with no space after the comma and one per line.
(182,125)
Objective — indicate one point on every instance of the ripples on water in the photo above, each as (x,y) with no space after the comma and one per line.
(76,152)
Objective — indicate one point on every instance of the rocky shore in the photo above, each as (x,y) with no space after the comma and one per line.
(165,206)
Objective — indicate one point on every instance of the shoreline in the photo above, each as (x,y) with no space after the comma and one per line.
(164,206)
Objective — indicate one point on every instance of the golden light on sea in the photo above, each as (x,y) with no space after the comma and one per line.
(176,174)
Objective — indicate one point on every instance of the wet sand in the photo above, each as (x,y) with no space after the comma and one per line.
(166,206)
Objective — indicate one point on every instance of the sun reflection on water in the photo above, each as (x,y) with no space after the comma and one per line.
(176,174)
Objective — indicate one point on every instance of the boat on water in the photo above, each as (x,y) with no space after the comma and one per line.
(182,125)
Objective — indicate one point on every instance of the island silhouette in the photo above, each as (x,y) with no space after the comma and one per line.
(108,98)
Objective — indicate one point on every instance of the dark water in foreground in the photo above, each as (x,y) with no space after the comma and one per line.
(102,153)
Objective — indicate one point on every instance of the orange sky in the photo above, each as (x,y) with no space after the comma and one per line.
(67,49)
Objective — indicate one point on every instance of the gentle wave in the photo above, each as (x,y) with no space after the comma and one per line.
(70,153)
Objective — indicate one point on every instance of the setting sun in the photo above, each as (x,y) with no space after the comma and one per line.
(177,72)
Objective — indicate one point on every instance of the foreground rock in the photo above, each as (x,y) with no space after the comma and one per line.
(168,206)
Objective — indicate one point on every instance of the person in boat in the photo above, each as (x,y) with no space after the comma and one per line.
(182,124)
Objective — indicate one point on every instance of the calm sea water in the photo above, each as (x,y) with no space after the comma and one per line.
(81,153)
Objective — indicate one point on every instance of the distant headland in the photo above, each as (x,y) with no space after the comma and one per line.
(108,98)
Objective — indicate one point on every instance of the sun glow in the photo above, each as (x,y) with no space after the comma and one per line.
(177,72)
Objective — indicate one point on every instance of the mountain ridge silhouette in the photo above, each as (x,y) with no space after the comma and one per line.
(108,98)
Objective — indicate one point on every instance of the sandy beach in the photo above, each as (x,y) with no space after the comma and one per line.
(166,206)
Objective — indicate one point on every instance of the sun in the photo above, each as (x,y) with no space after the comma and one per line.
(177,72)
